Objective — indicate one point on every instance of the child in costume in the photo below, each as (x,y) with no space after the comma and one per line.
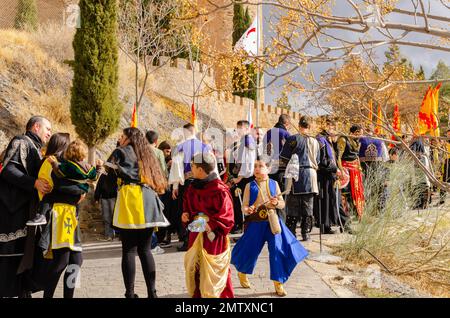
(72,167)
(207,261)
(285,251)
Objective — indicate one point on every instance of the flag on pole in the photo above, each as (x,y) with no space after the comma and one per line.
(435,108)
(249,40)
(134,119)
(428,120)
(379,129)
(193,116)
(395,125)
(396,121)
(249,117)
(370,111)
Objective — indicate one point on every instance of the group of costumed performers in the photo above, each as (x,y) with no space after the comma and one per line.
(138,209)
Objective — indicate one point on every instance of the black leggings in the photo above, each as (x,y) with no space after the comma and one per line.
(138,241)
(63,258)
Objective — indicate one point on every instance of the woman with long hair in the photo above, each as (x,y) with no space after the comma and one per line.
(138,208)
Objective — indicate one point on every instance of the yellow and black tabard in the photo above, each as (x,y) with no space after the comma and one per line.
(137,205)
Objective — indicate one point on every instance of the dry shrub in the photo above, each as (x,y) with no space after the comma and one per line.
(56,40)
(36,82)
(412,244)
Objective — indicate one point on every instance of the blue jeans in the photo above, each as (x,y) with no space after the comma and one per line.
(108,211)
(154,241)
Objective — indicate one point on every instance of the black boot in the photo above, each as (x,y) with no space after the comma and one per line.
(328,230)
(305,237)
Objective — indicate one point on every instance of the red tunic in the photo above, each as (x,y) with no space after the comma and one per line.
(213,199)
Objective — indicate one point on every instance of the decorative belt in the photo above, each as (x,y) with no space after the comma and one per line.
(258,216)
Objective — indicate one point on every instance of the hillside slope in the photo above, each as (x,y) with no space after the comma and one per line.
(34,80)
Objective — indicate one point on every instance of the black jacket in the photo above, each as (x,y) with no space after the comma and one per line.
(106,186)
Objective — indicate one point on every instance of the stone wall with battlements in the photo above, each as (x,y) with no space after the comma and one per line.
(175,80)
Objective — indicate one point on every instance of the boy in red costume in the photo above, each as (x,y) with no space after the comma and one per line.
(207,261)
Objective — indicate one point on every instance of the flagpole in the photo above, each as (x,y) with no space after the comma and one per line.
(258,39)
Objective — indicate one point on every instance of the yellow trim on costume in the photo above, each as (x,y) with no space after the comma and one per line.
(213,269)
(45,172)
(64,226)
(80,168)
(129,210)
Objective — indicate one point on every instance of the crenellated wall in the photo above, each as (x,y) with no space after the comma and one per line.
(174,80)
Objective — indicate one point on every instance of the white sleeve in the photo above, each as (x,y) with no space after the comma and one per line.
(176,175)
(248,164)
(385,153)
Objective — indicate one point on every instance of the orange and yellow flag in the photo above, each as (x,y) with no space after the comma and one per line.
(193,116)
(396,120)
(428,113)
(379,129)
(395,124)
(435,108)
(370,117)
(134,117)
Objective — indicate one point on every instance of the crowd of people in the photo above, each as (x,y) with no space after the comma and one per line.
(201,189)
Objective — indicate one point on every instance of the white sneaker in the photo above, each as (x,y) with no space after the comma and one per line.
(38,220)
(158,250)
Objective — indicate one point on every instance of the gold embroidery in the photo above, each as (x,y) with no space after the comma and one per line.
(263,214)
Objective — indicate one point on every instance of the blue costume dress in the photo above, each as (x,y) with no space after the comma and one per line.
(285,252)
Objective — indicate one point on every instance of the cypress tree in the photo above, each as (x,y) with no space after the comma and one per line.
(238,22)
(95,107)
(27,15)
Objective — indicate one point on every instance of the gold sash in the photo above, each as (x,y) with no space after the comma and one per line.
(213,269)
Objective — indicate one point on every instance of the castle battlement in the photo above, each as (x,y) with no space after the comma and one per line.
(224,96)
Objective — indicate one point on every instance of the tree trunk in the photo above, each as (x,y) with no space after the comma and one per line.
(91,155)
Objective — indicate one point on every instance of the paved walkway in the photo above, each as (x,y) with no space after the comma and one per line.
(101,276)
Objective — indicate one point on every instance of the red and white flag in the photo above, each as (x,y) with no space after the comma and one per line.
(249,40)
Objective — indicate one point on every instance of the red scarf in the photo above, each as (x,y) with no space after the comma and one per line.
(356,184)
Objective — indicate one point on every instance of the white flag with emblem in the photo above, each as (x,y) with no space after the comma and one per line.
(249,40)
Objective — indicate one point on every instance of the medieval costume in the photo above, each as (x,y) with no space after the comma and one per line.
(300,202)
(371,154)
(285,252)
(61,239)
(207,262)
(273,143)
(372,158)
(138,210)
(244,160)
(445,171)
(325,202)
(106,194)
(421,183)
(348,162)
(181,176)
(18,199)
